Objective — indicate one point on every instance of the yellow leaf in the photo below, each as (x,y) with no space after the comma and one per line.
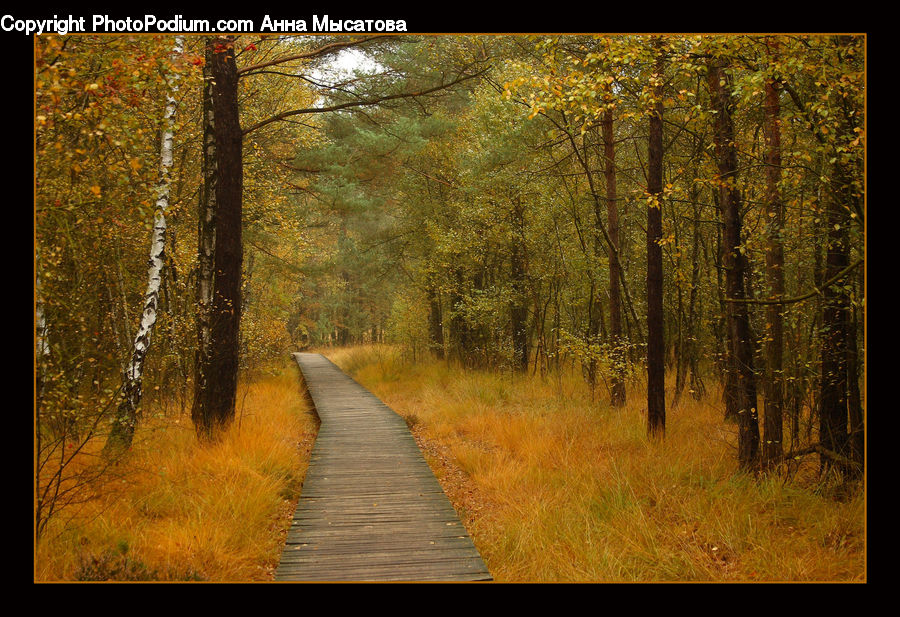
(95,190)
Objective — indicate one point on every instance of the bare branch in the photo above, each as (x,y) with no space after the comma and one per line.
(816,290)
(822,451)
(325,50)
(361,103)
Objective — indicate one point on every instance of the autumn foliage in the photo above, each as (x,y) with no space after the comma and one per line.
(668,230)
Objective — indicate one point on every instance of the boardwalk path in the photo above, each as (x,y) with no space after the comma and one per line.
(371,509)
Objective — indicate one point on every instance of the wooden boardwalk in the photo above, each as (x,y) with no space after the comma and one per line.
(371,508)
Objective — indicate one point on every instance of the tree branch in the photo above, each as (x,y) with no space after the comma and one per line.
(430,177)
(360,103)
(823,451)
(315,53)
(806,296)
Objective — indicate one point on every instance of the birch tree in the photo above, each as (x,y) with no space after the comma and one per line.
(123,426)
(42,346)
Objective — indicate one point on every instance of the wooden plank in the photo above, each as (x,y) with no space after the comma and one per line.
(371,508)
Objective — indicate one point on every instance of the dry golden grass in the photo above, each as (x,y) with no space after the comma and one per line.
(555,487)
(176,510)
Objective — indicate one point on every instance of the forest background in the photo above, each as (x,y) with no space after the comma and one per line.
(547,206)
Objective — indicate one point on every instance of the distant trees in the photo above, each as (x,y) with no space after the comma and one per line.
(840,102)
(646,163)
(625,205)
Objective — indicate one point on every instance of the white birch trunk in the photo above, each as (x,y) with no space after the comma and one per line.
(42,345)
(123,429)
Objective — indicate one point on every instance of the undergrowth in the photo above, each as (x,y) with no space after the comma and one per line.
(176,510)
(570,489)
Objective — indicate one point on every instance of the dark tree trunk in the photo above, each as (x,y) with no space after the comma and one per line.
(206,243)
(518,276)
(344,313)
(854,402)
(214,405)
(557,325)
(460,333)
(519,310)
(656,401)
(697,387)
(833,403)
(842,423)
(774,385)
(591,336)
(617,355)
(435,326)
(740,361)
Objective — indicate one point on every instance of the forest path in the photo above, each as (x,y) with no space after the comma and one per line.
(371,509)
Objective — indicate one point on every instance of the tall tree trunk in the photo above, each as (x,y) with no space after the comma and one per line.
(42,343)
(854,400)
(656,401)
(206,244)
(519,310)
(617,355)
(740,361)
(460,335)
(679,345)
(122,431)
(721,331)
(435,325)
(833,402)
(557,326)
(591,335)
(842,421)
(214,405)
(697,387)
(772,448)
(602,231)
